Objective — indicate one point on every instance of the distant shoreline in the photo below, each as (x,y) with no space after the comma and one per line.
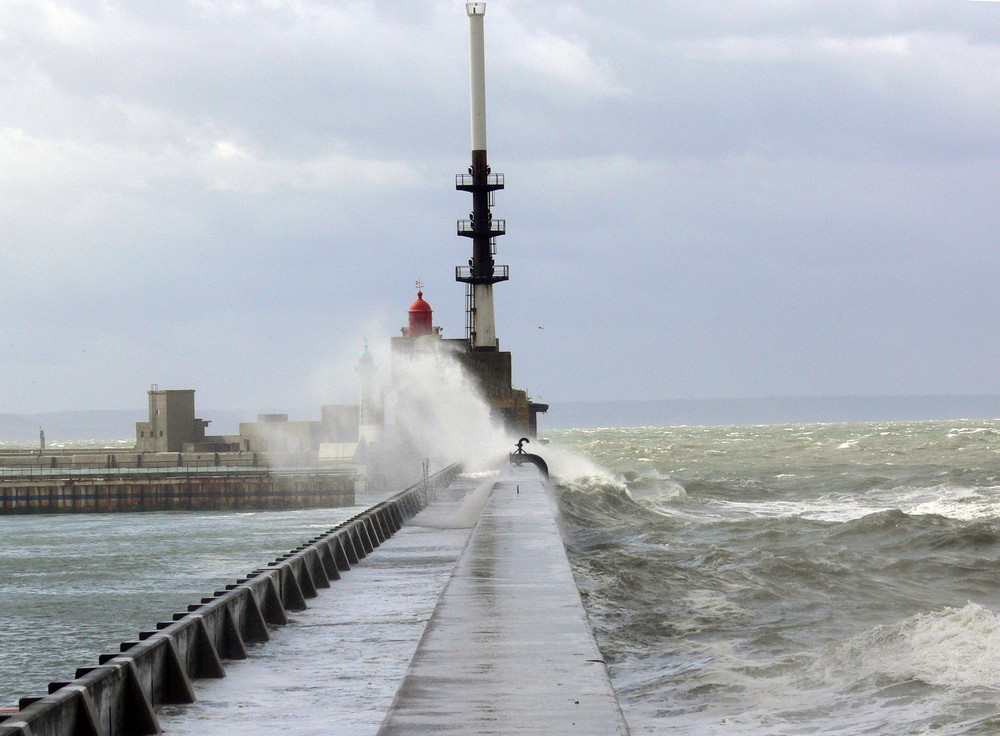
(120,425)
(768,410)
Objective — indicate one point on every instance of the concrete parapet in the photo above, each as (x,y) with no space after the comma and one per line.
(121,694)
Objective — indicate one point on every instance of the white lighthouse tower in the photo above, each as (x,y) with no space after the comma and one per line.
(369,420)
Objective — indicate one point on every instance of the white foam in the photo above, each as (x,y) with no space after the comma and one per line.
(952,648)
(442,415)
(658,497)
(953,502)
(465,516)
(861,685)
(570,467)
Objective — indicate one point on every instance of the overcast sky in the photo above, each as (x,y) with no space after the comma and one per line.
(704,199)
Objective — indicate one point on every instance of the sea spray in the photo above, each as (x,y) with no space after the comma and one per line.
(335,377)
(467,513)
(439,413)
(572,468)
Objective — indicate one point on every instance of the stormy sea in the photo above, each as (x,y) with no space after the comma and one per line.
(781,579)
(797,579)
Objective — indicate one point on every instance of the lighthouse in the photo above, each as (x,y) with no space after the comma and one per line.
(420,322)
(369,419)
(481,272)
(421,318)
(479,352)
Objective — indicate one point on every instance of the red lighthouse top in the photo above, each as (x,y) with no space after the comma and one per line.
(421,317)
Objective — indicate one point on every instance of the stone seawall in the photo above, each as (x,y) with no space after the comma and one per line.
(256,490)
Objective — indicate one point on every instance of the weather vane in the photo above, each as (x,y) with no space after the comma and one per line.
(420,285)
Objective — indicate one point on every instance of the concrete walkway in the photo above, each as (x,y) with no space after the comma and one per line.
(509,649)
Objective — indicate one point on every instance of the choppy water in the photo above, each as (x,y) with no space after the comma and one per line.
(75,586)
(835,579)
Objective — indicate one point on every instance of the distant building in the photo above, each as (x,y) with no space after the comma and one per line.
(273,433)
(337,438)
(172,423)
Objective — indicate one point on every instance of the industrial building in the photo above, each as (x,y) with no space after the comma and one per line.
(173,427)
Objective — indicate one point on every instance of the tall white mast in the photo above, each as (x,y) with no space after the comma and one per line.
(482,272)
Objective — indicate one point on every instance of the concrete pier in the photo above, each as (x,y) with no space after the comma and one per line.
(467,620)
(509,649)
(337,665)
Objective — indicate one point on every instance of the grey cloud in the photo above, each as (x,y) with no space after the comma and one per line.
(765,197)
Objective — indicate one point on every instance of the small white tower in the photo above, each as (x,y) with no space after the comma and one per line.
(369,424)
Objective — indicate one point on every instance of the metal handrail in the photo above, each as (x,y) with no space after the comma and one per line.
(497,227)
(47,467)
(500,273)
(467,180)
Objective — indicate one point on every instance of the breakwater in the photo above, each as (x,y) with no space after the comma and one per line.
(174,489)
(508,648)
(122,694)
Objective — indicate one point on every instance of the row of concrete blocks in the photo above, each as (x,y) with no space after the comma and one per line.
(121,695)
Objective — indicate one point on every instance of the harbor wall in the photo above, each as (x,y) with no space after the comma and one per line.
(20,462)
(204,490)
(123,692)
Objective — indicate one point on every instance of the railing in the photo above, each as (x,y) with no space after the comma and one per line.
(466,228)
(466,181)
(103,470)
(464,274)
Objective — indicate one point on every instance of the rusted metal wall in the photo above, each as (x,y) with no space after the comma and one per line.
(172,493)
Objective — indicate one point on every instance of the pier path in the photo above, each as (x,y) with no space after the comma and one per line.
(460,623)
